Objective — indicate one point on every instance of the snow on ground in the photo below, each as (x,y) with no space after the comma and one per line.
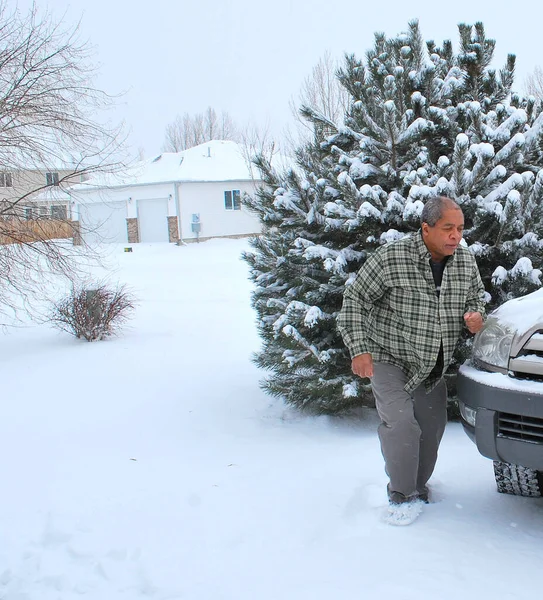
(152,466)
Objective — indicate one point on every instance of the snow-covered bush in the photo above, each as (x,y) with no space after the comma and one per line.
(93,314)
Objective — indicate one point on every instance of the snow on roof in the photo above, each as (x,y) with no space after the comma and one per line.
(216,160)
(51,194)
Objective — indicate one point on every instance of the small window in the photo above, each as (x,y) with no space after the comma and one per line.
(43,211)
(6,179)
(228,200)
(59,212)
(28,213)
(51,178)
(237,199)
(232,200)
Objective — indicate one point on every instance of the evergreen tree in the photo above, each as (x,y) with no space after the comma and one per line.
(423,121)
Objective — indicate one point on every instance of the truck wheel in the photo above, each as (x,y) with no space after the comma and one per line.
(514,479)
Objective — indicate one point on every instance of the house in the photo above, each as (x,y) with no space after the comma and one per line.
(20,187)
(190,196)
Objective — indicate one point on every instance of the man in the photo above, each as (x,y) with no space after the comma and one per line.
(401,319)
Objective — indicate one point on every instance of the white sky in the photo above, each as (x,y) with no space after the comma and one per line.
(249,58)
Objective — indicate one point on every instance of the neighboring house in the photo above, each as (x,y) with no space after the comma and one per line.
(189,196)
(20,188)
(52,203)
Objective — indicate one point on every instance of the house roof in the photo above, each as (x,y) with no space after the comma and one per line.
(216,160)
(51,194)
(212,161)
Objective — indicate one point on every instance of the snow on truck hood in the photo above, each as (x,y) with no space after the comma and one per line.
(521,314)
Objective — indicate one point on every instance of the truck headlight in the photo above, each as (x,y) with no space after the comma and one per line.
(468,414)
(492,344)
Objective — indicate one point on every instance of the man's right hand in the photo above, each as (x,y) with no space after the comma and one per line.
(362,365)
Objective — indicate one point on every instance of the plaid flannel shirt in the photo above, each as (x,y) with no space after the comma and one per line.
(392,310)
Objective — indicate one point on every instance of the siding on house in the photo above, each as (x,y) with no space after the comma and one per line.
(207,200)
(32,182)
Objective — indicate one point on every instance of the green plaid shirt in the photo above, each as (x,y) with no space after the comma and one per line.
(392,310)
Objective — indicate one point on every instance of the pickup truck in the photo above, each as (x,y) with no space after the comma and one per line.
(500,394)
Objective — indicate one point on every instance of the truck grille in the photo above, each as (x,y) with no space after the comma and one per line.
(517,427)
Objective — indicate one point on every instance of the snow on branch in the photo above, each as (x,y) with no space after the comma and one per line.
(344,180)
(497,173)
(516,121)
(322,252)
(391,236)
(523,268)
(484,153)
(512,207)
(500,193)
(363,170)
(515,144)
(288,200)
(413,210)
(338,210)
(293,333)
(367,210)
(534,134)
(375,129)
(415,131)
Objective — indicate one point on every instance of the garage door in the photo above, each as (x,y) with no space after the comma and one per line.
(103,222)
(153,220)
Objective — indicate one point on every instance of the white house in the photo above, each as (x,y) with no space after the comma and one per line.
(189,196)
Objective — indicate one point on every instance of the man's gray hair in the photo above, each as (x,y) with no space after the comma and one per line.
(433,209)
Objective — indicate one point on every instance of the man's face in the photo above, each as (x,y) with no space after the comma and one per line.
(443,238)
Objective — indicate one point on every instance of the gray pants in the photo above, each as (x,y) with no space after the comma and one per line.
(411,428)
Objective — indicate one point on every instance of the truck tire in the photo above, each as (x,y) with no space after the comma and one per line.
(517,480)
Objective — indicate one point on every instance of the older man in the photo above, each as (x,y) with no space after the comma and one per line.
(401,320)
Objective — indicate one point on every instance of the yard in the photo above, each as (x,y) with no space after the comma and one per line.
(152,466)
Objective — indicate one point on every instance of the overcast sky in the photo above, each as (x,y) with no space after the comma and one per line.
(249,58)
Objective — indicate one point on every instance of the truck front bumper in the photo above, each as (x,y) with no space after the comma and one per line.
(509,416)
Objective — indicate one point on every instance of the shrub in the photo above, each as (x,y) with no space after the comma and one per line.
(93,314)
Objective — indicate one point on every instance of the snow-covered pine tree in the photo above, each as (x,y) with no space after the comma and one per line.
(423,121)
(297,266)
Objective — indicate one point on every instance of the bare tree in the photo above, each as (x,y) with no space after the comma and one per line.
(322,92)
(176,136)
(534,83)
(227,128)
(210,125)
(51,115)
(257,141)
(190,130)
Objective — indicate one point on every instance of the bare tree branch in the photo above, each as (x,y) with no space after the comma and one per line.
(191,130)
(52,119)
(534,84)
(322,92)
(257,141)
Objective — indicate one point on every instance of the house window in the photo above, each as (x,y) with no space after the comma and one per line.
(29,214)
(51,178)
(59,212)
(232,200)
(6,179)
(43,211)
